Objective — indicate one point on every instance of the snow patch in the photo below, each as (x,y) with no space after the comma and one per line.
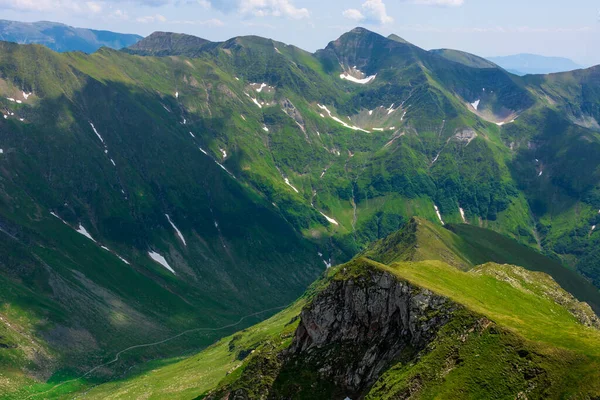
(475,104)
(113,162)
(115,254)
(225,169)
(262,86)
(192,135)
(244,118)
(256,102)
(265,129)
(1,151)
(462,214)
(437,211)
(96,132)
(331,220)
(203,151)
(356,128)
(81,230)
(541,173)
(176,230)
(378,129)
(26,95)
(287,182)
(10,99)
(161,260)
(122,259)
(56,215)
(370,112)
(224,153)
(363,81)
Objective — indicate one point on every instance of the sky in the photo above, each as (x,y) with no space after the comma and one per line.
(484,27)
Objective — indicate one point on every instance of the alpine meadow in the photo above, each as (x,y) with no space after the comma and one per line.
(183,218)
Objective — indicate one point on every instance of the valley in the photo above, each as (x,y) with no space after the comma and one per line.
(183,185)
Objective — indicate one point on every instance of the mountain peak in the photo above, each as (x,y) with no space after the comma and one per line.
(168,43)
(397,38)
(360,30)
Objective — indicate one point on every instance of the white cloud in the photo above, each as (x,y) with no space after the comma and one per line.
(119,14)
(275,8)
(258,8)
(148,19)
(40,5)
(494,29)
(353,14)
(441,3)
(214,22)
(94,6)
(373,12)
(79,5)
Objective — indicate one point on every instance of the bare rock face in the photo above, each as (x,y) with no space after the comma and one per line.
(355,328)
(291,110)
(465,135)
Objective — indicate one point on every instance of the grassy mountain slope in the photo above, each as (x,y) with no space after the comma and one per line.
(465,247)
(464,58)
(249,165)
(107,151)
(534,339)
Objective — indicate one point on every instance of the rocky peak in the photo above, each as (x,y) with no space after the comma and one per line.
(358,326)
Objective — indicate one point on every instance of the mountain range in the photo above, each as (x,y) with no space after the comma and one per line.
(523,64)
(159,198)
(62,38)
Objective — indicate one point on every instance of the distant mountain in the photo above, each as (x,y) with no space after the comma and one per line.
(467,59)
(523,64)
(163,43)
(62,38)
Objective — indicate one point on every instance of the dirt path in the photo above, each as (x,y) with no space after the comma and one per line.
(140,346)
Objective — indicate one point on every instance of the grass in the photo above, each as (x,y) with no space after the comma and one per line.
(53,161)
(194,376)
(523,311)
(511,336)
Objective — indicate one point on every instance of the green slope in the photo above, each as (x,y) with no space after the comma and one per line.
(532,337)
(82,302)
(465,247)
(270,165)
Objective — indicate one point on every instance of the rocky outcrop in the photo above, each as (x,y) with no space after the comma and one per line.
(288,107)
(355,329)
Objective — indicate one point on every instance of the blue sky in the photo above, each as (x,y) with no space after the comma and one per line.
(484,27)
